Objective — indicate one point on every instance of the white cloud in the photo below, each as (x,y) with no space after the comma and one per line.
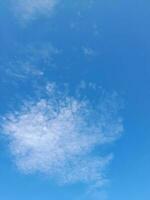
(58,136)
(89,51)
(31,9)
(25,64)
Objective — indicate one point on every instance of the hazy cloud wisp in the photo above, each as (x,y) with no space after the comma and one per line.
(58,136)
(32,9)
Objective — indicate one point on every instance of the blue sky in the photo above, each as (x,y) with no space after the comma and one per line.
(74,105)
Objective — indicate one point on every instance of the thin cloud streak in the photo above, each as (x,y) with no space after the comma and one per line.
(25,64)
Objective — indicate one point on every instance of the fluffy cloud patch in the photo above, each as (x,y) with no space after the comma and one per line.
(32,9)
(59,135)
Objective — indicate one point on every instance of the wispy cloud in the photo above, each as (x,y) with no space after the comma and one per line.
(58,135)
(89,52)
(32,9)
(30,61)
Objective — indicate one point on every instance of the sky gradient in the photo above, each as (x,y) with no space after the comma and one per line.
(75,100)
